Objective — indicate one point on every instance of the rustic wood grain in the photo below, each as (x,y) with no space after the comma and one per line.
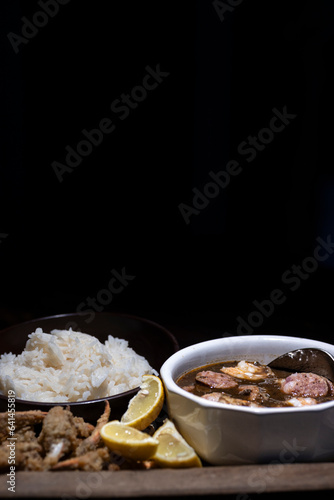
(169,482)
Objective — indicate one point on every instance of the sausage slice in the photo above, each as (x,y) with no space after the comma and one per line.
(216,380)
(306,385)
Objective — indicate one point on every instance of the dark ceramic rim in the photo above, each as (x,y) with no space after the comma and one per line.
(129,393)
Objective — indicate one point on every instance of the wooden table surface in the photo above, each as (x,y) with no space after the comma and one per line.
(240,481)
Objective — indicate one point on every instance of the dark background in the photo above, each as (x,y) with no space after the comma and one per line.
(120,207)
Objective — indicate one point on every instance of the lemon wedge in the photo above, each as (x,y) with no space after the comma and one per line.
(146,405)
(127,441)
(173,450)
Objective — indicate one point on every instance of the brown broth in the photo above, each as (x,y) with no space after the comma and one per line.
(269,386)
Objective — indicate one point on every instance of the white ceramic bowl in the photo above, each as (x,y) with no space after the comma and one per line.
(227,434)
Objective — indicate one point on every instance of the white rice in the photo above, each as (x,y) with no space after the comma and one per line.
(68,366)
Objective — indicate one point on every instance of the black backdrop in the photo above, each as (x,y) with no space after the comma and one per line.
(201,83)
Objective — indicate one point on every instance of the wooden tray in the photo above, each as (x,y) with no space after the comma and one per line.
(213,480)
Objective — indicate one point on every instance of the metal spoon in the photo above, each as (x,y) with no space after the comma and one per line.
(306,360)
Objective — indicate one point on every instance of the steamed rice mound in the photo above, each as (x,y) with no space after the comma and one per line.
(66,366)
